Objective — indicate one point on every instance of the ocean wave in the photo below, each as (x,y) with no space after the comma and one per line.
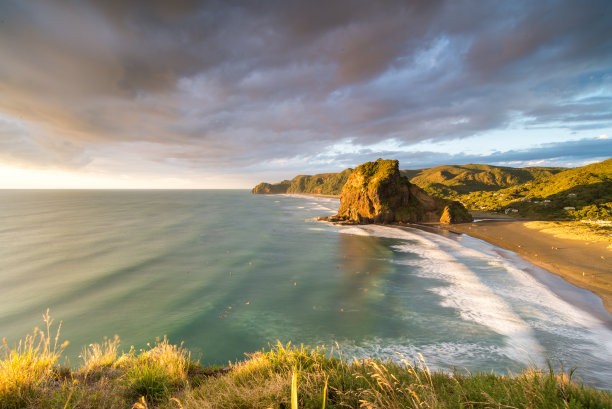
(464,291)
(434,355)
(491,290)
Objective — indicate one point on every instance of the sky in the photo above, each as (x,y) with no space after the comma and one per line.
(226,94)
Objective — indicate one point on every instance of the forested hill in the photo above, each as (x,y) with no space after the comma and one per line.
(577,193)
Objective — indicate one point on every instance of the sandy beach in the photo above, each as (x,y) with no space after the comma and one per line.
(586,264)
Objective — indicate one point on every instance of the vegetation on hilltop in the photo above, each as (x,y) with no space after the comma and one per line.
(268,188)
(377,193)
(164,376)
(321,184)
(574,194)
(452,181)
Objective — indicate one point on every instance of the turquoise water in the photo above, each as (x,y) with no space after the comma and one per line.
(228,272)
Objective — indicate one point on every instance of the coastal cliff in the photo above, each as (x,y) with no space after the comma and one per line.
(376,192)
(329,184)
(268,188)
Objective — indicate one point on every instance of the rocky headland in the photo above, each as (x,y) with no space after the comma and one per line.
(324,184)
(268,188)
(376,192)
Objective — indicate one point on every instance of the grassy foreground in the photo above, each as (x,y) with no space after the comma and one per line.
(164,376)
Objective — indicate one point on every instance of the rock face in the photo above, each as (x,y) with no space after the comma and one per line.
(454,212)
(377,193)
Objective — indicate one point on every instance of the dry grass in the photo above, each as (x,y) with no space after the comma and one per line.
(27,368)
(386,390)
(285,376)
(97,356)
(574,231)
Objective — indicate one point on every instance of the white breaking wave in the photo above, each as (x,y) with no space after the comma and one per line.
(464,291)
(496,293)
(436,355)
(549,311)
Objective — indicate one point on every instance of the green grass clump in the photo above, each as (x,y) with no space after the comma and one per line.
(285,376)
(157,373)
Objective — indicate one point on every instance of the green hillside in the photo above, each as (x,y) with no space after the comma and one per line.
(321,184)
(587,189)
(276,188)
(452,181)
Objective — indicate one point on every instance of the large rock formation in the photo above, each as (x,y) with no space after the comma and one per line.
(455,212)
(377,193)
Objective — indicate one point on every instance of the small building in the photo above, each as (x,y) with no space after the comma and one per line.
(572,195)
(569,208)
(510,210)
(546,201)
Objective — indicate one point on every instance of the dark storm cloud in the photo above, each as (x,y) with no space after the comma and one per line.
(238,83)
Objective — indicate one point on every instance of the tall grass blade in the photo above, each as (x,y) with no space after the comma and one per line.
(294,400)
(325,392)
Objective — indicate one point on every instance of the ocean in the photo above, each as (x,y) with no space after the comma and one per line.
(229,273)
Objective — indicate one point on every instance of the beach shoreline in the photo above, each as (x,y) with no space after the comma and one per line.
(585,264)
(310,194)
(582,263)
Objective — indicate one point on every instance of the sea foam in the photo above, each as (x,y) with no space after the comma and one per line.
(488,287)
(463,291)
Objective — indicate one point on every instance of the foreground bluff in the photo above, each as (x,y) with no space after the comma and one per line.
(377,193)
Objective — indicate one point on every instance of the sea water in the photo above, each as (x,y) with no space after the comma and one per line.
(228,273)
